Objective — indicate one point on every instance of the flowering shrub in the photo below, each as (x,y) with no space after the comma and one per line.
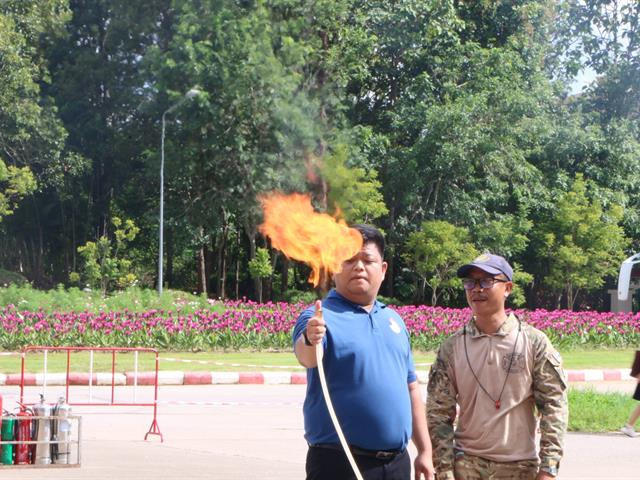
(235,325)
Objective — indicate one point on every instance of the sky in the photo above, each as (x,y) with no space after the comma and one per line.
(585,77)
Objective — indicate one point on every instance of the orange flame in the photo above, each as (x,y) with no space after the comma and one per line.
(318,239)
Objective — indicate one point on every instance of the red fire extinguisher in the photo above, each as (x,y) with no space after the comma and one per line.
(23,434)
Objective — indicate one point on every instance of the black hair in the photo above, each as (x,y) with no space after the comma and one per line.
(371,234)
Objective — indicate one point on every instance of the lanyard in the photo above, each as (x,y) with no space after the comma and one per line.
(496,402)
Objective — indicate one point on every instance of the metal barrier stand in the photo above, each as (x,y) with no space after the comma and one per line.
(154,429)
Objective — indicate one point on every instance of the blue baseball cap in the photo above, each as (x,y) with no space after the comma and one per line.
(490,263)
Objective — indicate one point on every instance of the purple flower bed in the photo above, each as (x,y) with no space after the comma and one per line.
(235,325)
(565,328)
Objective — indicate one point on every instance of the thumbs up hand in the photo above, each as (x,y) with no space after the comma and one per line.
(316,328)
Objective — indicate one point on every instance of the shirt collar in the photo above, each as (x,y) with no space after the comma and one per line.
(505,329)
(334,295)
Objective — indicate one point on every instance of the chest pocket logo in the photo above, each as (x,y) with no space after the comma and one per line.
(393,325)
(517,364)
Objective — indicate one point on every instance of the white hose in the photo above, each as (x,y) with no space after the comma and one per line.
(332,412)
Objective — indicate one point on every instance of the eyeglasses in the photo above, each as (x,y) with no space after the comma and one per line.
(485,282)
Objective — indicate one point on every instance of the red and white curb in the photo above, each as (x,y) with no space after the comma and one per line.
(242,378)
(230,404)
(610,375)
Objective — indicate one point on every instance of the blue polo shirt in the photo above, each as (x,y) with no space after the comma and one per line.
(368,365)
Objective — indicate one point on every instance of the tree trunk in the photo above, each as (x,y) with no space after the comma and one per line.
(202,265)
(388,278)
(222,262)
(435,199)
(41,271)
(267,283)
(65,236)
(251,235)
(571,297)
(223,280)
(26,264)
(37,263)
(259,289)
(417,296)
(285,276)
(74,243)
(20,261)
(209,263)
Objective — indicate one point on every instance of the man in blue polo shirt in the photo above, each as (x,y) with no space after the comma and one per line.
(370,375)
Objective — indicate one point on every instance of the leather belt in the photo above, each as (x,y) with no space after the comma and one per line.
(379,454)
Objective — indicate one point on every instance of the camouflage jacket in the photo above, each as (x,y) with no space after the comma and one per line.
(548,392)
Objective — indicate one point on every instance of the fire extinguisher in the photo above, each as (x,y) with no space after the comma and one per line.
(23,434)
(61,450)
(41,454)
(6,434)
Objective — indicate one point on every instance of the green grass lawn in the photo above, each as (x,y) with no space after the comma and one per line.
(198,362)
(590,411)
(255,361)
(600,358)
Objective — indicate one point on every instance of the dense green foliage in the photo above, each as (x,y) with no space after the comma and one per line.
(260,267)
(105,264)
(75,300)
(399,113)
(435,252)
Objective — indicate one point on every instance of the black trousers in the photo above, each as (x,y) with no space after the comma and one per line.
(328,464)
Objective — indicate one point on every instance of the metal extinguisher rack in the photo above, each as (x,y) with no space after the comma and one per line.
(49,439)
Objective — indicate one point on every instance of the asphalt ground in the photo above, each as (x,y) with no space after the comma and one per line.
(245,432)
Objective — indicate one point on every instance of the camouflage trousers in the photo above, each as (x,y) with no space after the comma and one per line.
(469,467)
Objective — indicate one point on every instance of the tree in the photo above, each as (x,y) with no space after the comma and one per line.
(435,253)
(581,243)
(458,103)
(504,234)
(15,183)
(604,36)
(598,34)
(32,137)
(252,122)
(352,190)
(521,280)
(101,90)
(260,267)
(30,132)
(106,264)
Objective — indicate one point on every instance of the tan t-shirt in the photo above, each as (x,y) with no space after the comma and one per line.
(501,434)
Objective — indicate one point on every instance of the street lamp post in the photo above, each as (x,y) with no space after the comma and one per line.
(190,94)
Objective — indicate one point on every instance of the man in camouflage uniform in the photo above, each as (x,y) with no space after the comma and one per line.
(500,372)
